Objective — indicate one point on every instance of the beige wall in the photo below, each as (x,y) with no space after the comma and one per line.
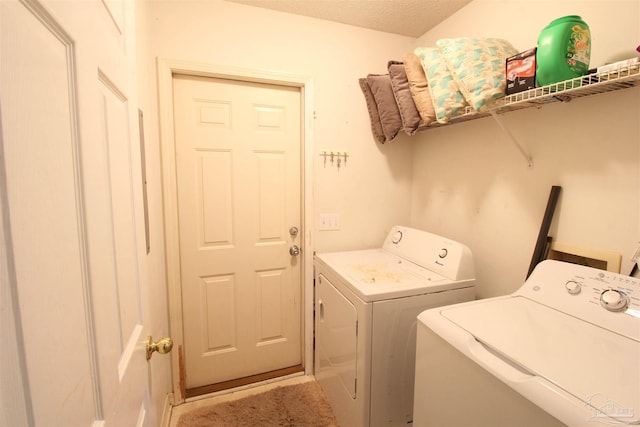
(471,183)
(466,181)
(372,192)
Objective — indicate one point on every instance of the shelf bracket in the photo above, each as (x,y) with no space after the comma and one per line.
(512,138)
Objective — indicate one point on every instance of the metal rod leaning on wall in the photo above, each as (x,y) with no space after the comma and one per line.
(541,244)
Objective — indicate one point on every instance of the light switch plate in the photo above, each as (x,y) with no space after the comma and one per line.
(330,221)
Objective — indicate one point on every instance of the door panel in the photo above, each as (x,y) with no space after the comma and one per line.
(121,362)
(238,178)
(41,191)
(71,206)
(216,216)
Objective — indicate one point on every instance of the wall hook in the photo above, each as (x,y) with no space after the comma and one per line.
(338,158)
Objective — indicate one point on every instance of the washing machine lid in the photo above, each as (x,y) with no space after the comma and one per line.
(592,364)
(377,274)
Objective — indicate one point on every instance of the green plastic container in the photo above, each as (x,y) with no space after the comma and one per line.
(564,50)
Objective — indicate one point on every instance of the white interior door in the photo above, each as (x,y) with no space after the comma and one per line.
(239,193)
(72,224)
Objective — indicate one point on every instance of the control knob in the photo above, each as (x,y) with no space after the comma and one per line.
(573,287)
(614,300)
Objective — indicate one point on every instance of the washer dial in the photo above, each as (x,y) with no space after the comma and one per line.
(573,287)
(614,300)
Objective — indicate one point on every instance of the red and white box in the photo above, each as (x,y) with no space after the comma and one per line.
(521,72)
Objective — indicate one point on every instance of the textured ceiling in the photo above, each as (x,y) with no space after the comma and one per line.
(410,18)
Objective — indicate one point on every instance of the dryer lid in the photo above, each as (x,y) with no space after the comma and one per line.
(595,365)
(376,274)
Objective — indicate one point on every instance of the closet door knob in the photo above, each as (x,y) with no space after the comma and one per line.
(163,346)
(294,250)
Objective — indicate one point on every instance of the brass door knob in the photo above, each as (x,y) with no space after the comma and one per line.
(163,346)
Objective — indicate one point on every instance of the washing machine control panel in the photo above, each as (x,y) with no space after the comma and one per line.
(612,292)
(601,297)
(441,255)
(611,299)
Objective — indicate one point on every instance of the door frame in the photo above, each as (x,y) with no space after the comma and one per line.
(167,68)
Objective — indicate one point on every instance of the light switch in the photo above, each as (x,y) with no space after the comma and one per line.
(329,222)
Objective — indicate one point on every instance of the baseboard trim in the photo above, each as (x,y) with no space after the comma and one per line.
(166,410)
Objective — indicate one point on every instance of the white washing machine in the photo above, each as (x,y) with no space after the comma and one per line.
(562,350)
(366,305)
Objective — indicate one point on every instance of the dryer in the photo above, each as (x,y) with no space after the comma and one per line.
(563,350)
(366,305)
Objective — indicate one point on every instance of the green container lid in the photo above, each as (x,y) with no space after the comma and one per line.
(564,50)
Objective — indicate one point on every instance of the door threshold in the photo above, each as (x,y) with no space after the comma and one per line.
(240,382)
